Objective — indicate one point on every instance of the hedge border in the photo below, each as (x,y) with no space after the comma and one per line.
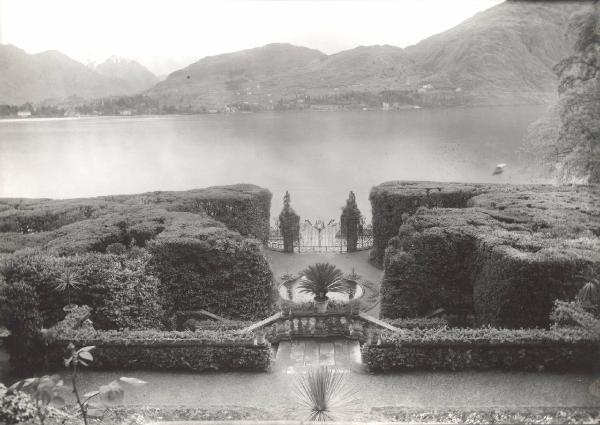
(524,349)
(167,350)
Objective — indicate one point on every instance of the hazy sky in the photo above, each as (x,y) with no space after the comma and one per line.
(165,35)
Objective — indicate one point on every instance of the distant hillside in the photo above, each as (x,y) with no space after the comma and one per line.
(137,77)
(51,75)
(503,55)
(233,77)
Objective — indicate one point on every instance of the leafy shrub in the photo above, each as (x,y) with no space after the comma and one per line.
(485,348)
(216,349)
(15,406)
(244,208)
(116,248)
(120,289)
(391,201)
(570,313)
(211,268)
(25,323)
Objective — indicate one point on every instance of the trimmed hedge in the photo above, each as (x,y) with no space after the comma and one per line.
(211,268)
(25,343)
(207,350)
(560,349)
(245,208)
(426,270)
(393,202)
(502,261)
(121,290)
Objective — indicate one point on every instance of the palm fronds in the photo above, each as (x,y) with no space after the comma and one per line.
(325,393)
(321,278)
(67,281)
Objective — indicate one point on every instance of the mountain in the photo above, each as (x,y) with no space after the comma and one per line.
(51,75)
(503,55)
(232,77)
(137,77)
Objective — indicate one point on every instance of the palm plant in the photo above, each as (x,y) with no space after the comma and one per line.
(325,393)
(321,278)
(67,281)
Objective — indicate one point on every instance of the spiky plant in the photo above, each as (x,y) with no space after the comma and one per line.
(326,394)
(321,278)
(67,281)
(589,295)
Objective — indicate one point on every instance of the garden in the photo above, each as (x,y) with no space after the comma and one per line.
(165,306)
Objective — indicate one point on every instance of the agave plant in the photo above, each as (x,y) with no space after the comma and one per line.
(326,394)
(321,278)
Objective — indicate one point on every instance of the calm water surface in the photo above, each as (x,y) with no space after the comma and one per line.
(317,156)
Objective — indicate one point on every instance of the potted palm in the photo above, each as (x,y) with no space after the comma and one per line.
(318,280)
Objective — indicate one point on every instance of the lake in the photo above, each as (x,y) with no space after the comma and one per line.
(318,156)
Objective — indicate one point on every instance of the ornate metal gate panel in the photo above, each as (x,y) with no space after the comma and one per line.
(321,236)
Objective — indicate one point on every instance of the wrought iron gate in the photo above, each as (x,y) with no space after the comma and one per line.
(322,236)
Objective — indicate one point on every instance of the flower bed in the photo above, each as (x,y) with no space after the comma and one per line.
(558,349)
(204,350)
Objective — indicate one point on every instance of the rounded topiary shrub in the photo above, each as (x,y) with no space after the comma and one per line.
(25,343)
(119,288)
(216,270)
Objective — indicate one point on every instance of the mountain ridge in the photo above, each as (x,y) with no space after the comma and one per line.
(501,56)
(53,76)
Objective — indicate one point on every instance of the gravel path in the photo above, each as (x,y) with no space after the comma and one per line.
(471,389)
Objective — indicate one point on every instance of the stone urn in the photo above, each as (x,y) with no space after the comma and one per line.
(321,305)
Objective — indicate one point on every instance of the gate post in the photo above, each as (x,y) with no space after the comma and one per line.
(289,224)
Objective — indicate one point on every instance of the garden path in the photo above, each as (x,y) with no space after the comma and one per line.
(419,389)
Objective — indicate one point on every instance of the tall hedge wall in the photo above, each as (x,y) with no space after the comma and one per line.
(393,202)
(244,208)
(504,259)
(211,268)
(427,270)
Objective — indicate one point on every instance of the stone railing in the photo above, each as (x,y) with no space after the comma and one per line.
(285,326)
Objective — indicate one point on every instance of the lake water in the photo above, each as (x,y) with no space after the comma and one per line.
(318,156)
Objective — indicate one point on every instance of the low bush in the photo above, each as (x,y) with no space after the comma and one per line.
(120,288)
(202,265)
(215,349)
(25,343)
(558,349)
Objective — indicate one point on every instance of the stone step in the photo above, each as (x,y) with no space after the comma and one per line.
(299,355)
